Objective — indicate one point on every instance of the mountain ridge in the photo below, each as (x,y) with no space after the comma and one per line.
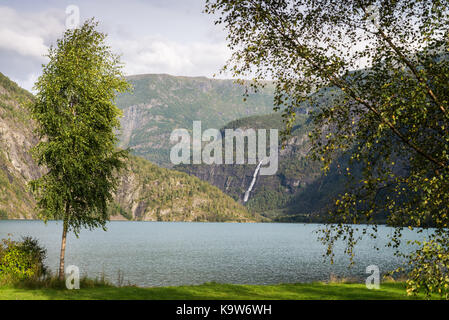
(298,191)
(146,192)
(161,103)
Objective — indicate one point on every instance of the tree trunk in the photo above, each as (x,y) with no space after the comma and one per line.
(62,255)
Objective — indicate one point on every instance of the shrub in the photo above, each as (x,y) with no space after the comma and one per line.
(3,215)
(21,260)
(430,268)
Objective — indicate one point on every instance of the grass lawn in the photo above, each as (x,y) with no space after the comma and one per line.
(216,291)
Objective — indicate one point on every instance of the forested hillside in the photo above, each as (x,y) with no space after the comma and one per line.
(297,192)
(16,138)
(161,103)
(146,192)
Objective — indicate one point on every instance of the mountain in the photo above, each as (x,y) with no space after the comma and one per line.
(161,103)
(297,192)
(146,192)
(16,138)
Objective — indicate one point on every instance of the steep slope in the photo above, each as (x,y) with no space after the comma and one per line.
(16,138)
(146,192)
(297,192)
(161,103)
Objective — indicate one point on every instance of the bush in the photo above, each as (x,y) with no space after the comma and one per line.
(3,215)
(21,260)
(430,268)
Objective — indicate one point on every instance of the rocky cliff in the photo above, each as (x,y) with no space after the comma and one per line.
(16,164)
(161,103)
(146,192)
(297,192)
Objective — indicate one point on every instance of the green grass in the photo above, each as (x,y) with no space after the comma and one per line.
(216,291)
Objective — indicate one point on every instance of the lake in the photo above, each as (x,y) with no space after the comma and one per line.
(182,253)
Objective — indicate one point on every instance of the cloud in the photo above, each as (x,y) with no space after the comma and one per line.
(24,45)
(24,40)
(157,55)
(159,37)
(29,34)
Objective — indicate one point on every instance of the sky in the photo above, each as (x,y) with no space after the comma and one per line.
(153,36)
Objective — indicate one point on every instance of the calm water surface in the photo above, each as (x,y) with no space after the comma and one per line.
(178,253)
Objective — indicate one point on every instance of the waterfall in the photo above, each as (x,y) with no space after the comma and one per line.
(245,198)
